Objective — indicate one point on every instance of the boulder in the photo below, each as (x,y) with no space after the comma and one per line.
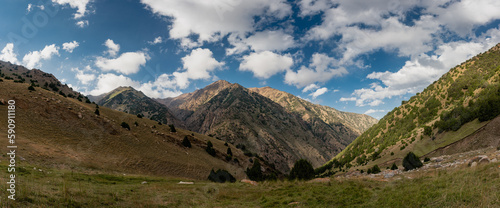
(389,174)
(473,164)
(253,183)
(484,160)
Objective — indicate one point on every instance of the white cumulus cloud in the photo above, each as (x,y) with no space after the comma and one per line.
(266,63)
(32,59)
(79,5)
(212,20)
(318,92)
(8,54)
(70,46)
(321,69)
(126,63)
(113,48)
(197,65)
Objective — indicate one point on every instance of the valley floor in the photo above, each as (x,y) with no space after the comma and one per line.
(459,186)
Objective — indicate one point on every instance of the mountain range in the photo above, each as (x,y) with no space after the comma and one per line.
(275,125)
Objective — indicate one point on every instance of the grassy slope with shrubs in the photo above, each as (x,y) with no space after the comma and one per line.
(469,94)
(472,187)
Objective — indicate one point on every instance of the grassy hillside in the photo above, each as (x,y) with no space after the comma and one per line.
(60,132)
(460,102)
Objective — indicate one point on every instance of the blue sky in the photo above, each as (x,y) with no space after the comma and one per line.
(353,55)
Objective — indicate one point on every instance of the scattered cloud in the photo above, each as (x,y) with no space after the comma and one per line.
(70,46)
(321,69)
(82,23)
(113,48)
(79,5)
(126,63)
(32,59)
(266,63)
(212,20)
(82,77)
(157,40)
(8,54)
(108,82)
(372,111)
(319,92)
(160,88)
(310,87)
(269,40)
(197,65)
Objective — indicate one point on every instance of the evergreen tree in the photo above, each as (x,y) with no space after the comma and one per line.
(411,162)
(302,170)
(255,173)
(186,142)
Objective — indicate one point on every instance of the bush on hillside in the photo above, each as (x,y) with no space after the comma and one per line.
(375,169)
(125,125)
(210,148)
(427,130)
(31,88)
(394,166)
(411,161)
(255,173)
(172,128)
(302,170)
(229,152)
(97,112)
(186,142)
(221,176)
(427,159)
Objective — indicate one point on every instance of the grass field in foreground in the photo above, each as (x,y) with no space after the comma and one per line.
(471,187)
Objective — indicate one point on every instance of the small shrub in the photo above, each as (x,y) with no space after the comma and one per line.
(210,148)
(392,153)
(136,124)
(139,116)
(411,162)
(427,159)
(221,176)
(97,112)
(62,93)
(229,152)
(394,166)
(375,169)
(125,125)
(159,123)
(302,170)
(172,128)
(31,88)
(225,144)
(186,142)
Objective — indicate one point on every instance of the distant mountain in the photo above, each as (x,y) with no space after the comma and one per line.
(129,100)
(459,105)
(247,118)
(357,123)
(62,132)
